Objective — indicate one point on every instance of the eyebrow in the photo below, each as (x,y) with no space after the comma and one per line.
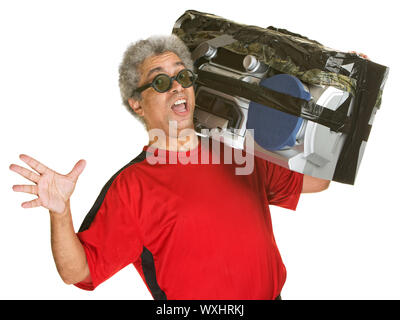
(160,69)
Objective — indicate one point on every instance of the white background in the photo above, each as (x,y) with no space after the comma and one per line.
(60,102)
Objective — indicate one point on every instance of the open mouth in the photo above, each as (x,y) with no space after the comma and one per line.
(180,107)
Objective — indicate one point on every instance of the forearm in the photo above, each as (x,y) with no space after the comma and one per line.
(312,184)
(69,255)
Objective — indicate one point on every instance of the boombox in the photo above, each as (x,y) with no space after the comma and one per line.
(301,105)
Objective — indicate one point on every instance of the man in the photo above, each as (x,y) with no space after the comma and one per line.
(194,230)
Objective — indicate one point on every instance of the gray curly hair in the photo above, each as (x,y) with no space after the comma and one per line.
(136,53)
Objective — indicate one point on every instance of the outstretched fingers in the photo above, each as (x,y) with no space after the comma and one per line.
(26,188)
(362,55)
(34,164)
(28,174)
(32,204)
(77,170)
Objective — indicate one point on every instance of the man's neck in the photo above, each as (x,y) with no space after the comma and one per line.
(184,142)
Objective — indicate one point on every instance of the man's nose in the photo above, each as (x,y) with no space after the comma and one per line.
(176,86)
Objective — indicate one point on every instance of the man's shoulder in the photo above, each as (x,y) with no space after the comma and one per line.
(126,174)
(128,170)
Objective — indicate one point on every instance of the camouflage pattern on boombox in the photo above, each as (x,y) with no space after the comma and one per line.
(309,61)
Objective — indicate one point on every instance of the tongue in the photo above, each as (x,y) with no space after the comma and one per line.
(179,107)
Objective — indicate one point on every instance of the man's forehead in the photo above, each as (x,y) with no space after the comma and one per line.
(161,62)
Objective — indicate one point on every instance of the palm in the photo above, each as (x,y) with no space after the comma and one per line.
(53,189)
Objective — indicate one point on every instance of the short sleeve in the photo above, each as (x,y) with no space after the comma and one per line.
(110,234)
(283,186)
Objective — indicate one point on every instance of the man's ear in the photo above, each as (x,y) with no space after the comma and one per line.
(136,106)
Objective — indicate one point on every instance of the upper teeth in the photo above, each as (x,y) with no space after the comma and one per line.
(180,101)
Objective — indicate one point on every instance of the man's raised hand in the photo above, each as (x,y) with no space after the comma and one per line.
(53,189)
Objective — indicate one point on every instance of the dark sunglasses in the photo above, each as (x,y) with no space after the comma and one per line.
(162,82)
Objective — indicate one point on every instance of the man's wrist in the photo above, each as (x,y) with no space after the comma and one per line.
(66,212)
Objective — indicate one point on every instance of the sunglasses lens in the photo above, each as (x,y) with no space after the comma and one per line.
(185,78)
(162,83)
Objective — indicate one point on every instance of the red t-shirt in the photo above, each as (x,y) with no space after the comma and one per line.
(193,231)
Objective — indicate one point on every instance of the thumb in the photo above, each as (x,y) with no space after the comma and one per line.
(77,170)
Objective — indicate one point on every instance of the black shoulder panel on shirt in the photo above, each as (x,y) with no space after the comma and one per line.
(93,211)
